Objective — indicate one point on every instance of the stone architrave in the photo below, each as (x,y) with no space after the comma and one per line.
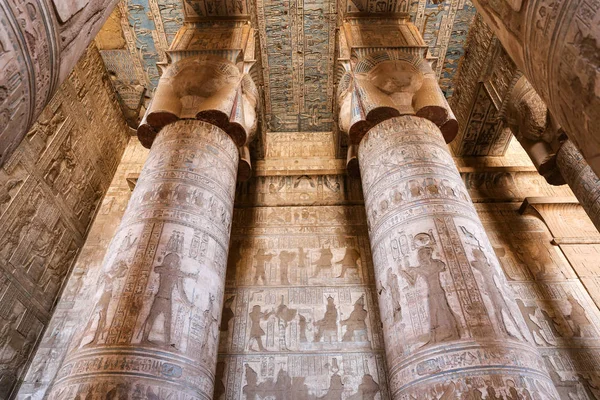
(40,43)
(153,327)
(557,46)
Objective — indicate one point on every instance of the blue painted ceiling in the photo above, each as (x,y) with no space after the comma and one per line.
(297,39)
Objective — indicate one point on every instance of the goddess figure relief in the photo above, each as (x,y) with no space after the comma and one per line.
(442,322)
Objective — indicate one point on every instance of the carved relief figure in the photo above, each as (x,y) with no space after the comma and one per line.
(336,388)
(40,250)
(356,326)
(116,270)
(497,298)
(443,325)
(323,262)
(227,315)
(171,278)
(261,259)
(327,326)
(532,322)
(256,332)
(350,260)
(393,289)
(577,318)
(367,390)
(285,257)
(211,333)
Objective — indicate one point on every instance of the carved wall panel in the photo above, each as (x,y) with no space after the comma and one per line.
(81,286)
(50,190)
(557,301)
(299,280)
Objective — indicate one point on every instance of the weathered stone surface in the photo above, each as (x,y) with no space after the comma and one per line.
(441,290)
(50,190)
(40,43)
(536,251)
(582,180)
(171,246)
(74,305)
(557,47)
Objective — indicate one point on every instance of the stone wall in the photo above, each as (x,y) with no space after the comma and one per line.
(300,308)
(50,190)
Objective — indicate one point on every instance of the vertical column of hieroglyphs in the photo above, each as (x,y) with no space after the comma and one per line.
(449,321)
(152,328)
(300,316)
(40,43)
(556,47)
(50,189)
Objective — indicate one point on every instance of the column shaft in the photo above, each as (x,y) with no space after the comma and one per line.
(40,43)
(153,328)
(581,179)
(450,324)
(555,45)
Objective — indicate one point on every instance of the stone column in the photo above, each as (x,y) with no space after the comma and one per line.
(581,179)
(450,324)
(556,45)
(451,327)
(153,327)
(40,43)
(555,157)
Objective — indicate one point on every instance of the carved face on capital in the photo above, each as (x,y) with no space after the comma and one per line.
(393,77)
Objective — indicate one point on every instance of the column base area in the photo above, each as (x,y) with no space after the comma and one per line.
(126,373)
(471,369)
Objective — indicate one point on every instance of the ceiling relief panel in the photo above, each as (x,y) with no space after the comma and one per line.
(297,40)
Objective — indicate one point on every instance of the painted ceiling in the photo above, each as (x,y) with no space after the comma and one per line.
(297,43)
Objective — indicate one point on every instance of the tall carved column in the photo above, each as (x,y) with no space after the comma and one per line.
(556,45)
(449,321)
(451,327)
(153,328)
(581,179)
(40,43)
(555,157)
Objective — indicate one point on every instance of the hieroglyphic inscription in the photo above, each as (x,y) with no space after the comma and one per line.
(161,287)
(428,242)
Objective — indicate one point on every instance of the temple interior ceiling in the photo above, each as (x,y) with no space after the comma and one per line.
(297,47)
